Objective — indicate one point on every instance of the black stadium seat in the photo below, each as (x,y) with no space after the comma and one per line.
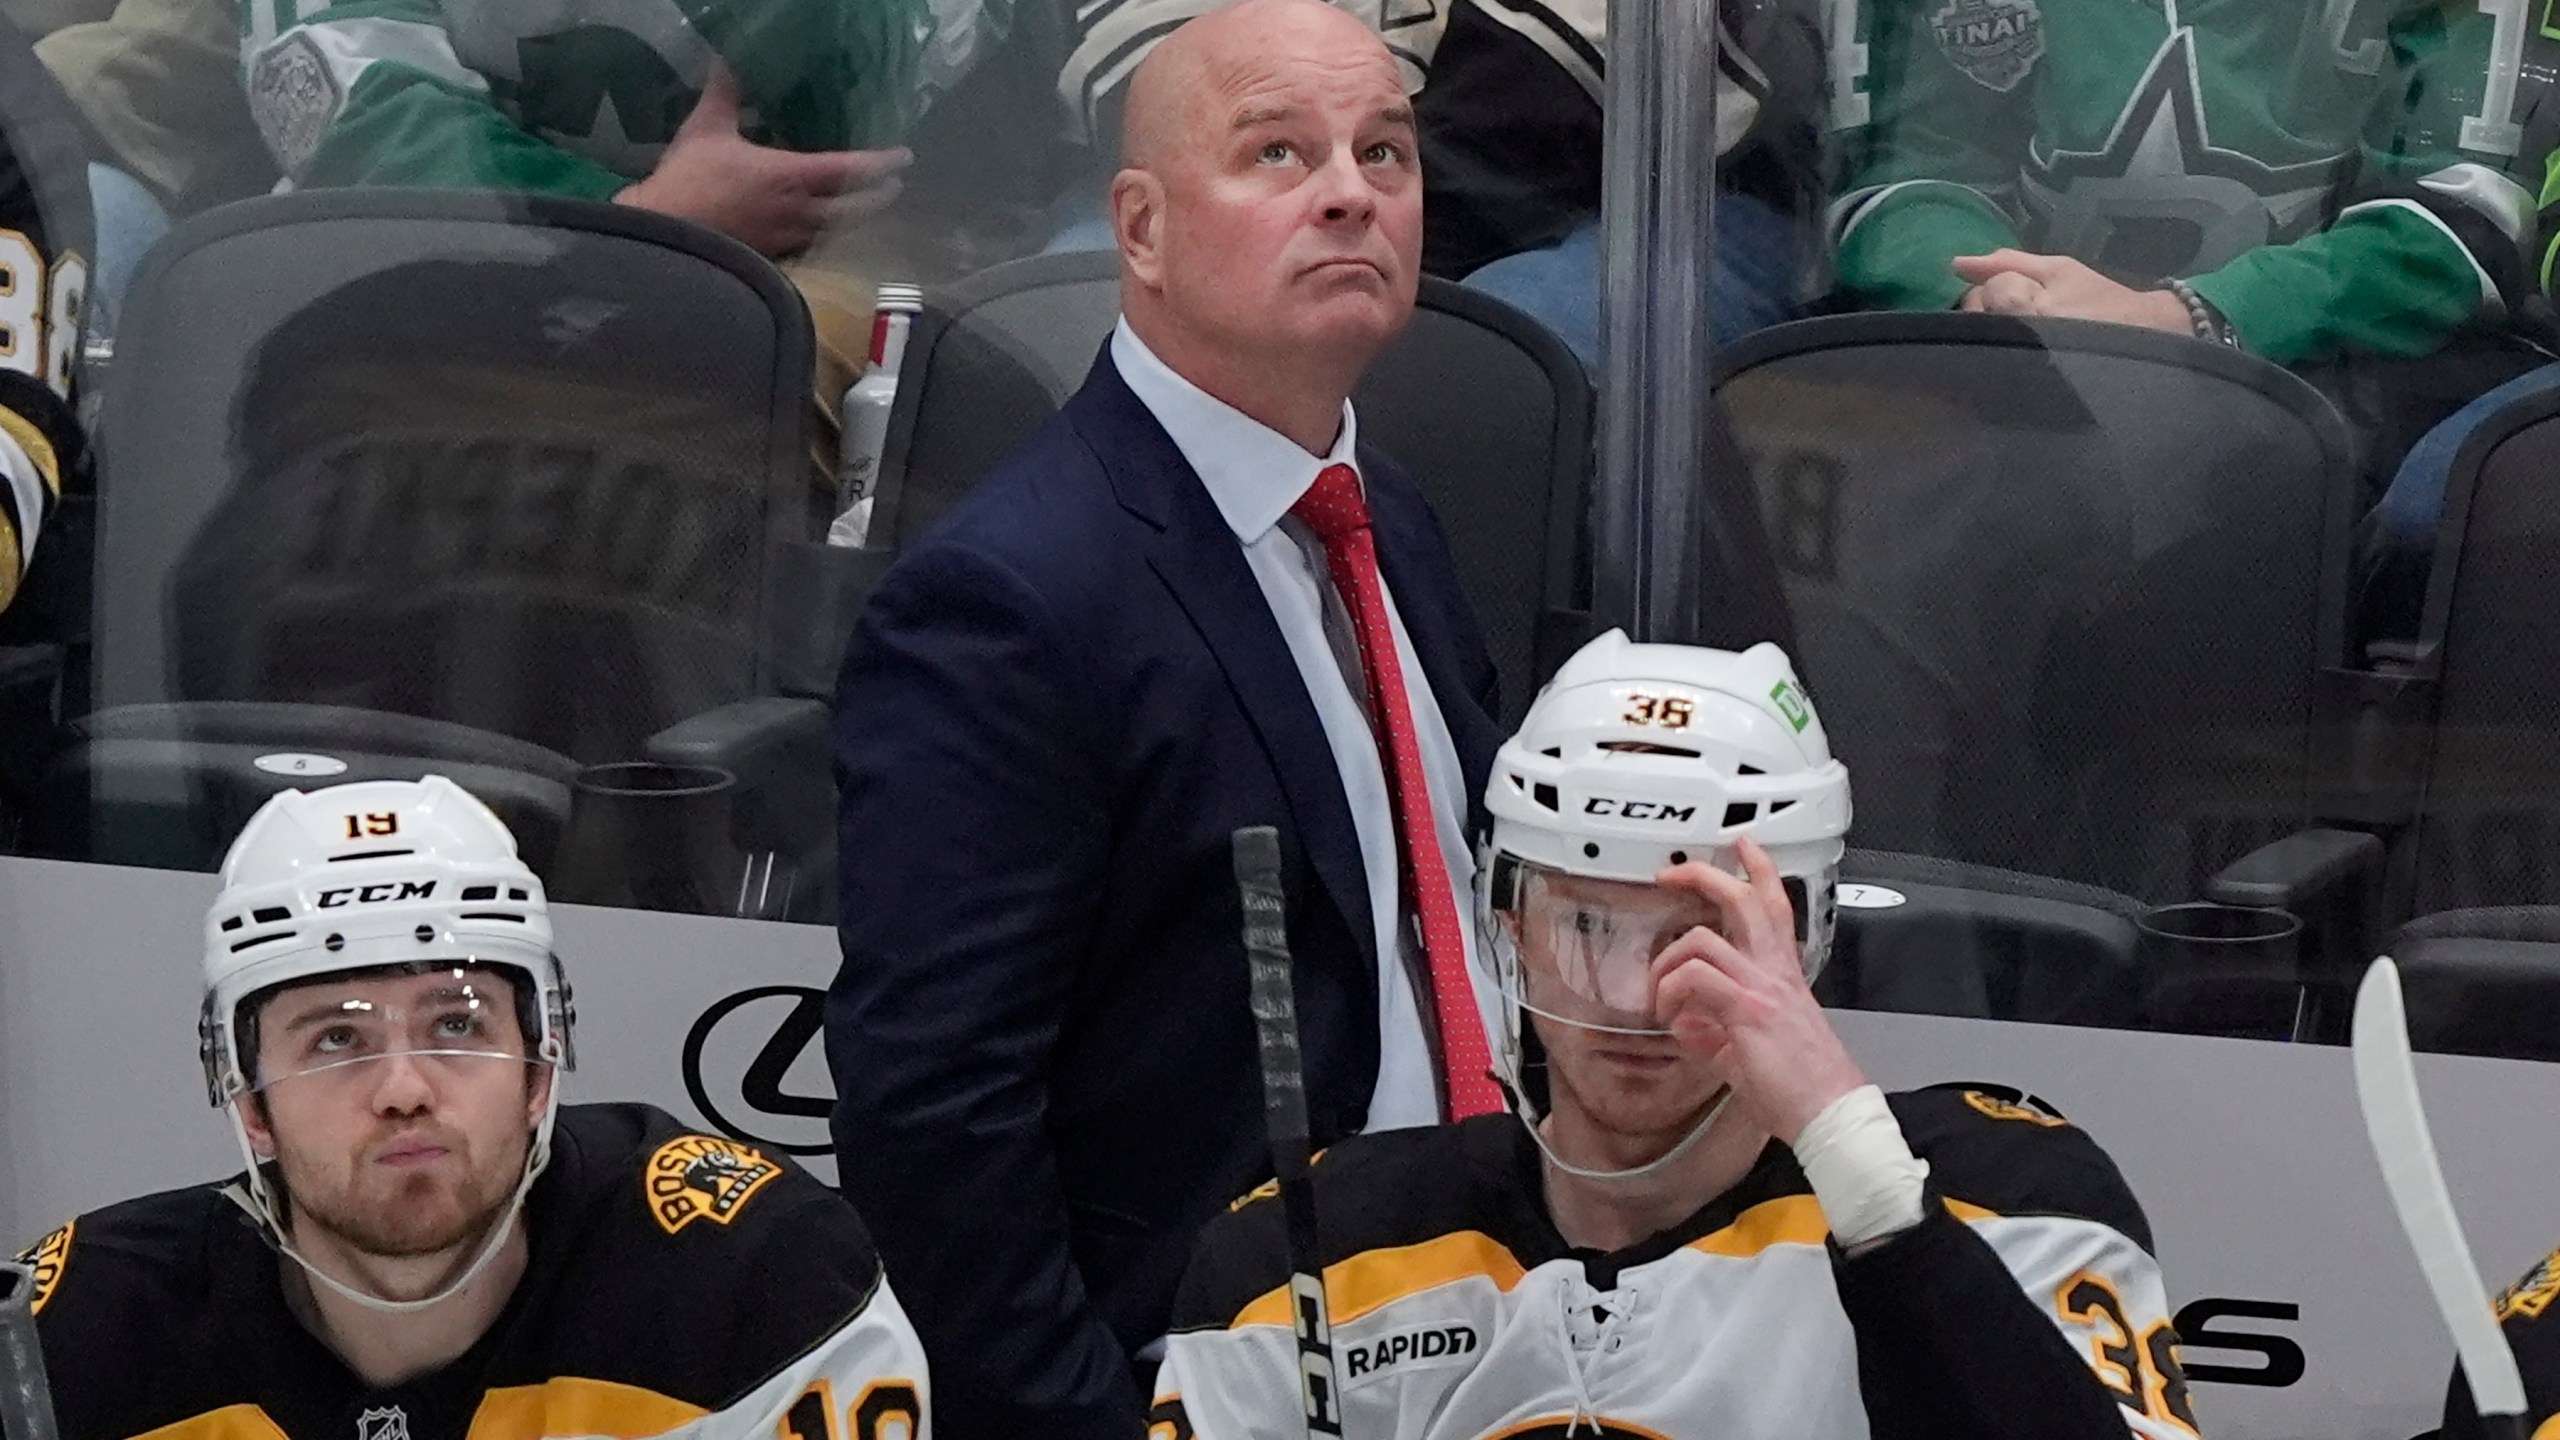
(2071,597)
(2481,962)
(1491,413)
(405,481)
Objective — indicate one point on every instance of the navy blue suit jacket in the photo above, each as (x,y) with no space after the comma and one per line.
(1058,706)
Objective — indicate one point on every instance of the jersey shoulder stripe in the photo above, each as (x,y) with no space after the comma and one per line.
(2009,1154)
(1419,1199)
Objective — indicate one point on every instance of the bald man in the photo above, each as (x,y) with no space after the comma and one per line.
(1192,602)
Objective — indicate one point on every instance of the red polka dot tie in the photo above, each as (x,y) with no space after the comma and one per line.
(1334,509)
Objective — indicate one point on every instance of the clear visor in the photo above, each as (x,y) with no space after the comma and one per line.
(1580,950)
(457,1023)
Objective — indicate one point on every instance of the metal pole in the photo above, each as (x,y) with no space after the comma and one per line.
(1657,198)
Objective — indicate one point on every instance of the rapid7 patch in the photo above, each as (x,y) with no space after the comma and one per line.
(703,1177)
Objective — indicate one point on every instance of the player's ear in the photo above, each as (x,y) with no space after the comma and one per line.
(253,1123)
(537,1093)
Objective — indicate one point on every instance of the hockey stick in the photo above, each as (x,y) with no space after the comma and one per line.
(1284,1114)
(2396,1122)
(26,1400)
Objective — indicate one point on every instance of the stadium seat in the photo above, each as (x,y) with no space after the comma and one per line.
(1489,411)
(401,481)
(2483,981)
(2072,599)
(2487,657)
(2481,868)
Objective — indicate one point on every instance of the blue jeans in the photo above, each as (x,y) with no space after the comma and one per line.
(129,221)
(1753,282)
(2398,538)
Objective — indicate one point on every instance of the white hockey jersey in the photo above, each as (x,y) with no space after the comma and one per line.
(2027,1304)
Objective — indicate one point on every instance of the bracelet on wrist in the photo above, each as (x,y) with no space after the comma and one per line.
(2210,326)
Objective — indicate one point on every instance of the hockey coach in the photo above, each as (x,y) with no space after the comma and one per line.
(425,1243)
(1193,602)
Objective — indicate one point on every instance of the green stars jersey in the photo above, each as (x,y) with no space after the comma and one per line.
(679,1287)
(2334,176)
(579,97)
(2025,1304)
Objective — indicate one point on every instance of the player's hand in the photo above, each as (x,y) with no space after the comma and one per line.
(2017,282)
(775,200)
(1739,998)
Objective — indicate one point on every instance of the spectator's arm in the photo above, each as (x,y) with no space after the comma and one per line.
(2431,235)
(370,92)
(974,848)
(1930,162)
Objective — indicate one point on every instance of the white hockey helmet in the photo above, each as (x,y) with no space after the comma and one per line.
(1637,757)
(363,876)
(374,875)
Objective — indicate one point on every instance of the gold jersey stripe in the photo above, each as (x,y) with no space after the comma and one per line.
(231,1422)
(1373,1278)
(38,448)
(570,1405)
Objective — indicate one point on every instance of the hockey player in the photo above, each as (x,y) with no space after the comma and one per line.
(44,277)
(1702,1222)
(2534,1335)
(426,1244)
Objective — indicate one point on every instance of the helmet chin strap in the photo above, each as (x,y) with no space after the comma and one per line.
(1529,1118)
(261,1206)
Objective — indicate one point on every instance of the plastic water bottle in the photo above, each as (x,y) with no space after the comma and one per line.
(866,413)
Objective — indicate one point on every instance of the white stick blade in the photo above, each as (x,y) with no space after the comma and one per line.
(2396,1122)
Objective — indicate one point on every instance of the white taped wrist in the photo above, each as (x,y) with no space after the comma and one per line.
(1868,1182)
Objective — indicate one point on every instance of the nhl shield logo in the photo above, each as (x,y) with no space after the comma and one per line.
(388,1423)
(1994,42)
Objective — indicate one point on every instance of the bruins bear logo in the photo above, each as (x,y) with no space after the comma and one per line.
(700,1177)
(2532,1295)
(2024,1108)
(46,1258)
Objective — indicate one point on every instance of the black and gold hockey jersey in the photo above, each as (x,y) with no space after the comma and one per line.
(44,277)
(2533,1333)
(679,1285)
(2026,1303)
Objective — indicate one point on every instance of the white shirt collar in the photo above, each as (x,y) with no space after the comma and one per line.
(1253,472)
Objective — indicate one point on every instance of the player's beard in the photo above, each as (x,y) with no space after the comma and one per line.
(404,1216)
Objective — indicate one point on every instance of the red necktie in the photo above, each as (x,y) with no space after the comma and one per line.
(1333,508)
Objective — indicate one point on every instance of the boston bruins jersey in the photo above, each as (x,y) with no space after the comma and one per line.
(679,1285)
(2027,1303)
(580,97)
(2525,1315)
(44,277)
(2336,178)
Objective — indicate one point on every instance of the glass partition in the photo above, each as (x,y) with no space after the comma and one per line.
(2133,419)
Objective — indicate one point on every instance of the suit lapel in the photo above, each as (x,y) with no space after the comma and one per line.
(1198,558)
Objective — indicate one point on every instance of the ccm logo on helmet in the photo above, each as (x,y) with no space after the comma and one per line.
(378,894)
(1440,1342)
(1638,809)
